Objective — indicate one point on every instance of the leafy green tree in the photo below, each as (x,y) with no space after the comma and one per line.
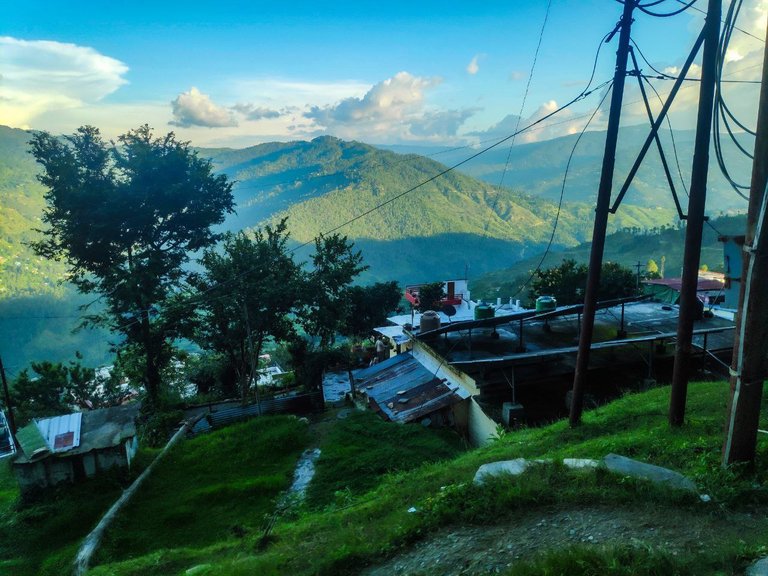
(568,281)
(252,282)
(124,219)
(652,269)
(616,281)
(430,296)
(335,265)
(369,307)
(56,388)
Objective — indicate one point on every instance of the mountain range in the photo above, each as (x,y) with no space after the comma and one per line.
(413,219)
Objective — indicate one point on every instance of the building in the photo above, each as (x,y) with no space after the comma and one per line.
(72,447)
(710,289)
(733,247)
(419,387)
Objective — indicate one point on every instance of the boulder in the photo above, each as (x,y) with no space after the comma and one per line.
(511,467)
(656,474)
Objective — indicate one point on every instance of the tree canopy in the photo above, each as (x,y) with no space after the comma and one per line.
(252,283)
(124,218)
(568,281)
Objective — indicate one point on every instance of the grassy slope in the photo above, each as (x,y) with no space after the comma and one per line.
(338,538)
(362,448)
(203,489)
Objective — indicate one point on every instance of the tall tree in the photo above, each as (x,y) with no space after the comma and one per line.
(369,307)
(566,282)
(335,265)
(124,218)
(253,283)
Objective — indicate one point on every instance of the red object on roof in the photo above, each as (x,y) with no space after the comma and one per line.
(704,284)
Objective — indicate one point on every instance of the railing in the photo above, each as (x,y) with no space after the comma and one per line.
(224,413)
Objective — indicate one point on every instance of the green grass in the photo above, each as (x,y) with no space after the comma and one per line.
(206,490)
(210,489)
(41,536)
(362,448)
(377,523)
(185,516)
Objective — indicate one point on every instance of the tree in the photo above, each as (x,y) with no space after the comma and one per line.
(335,266)
(430,296)
(253,283)
(565,282)
(568,281)
(369,307)
(652,269)
(124,218)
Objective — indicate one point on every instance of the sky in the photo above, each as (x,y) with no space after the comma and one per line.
(235,74)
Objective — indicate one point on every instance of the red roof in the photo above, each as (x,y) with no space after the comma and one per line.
(704,284)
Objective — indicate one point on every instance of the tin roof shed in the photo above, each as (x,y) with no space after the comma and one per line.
(404,390)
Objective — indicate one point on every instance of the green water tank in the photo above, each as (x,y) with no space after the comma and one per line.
(546,303)
(484,311)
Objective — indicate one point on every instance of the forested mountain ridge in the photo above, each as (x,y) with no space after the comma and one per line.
(404,229)
(21,205)
(538,167)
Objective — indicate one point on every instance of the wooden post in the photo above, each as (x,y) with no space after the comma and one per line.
(689,303)
(748,367)
(601,214)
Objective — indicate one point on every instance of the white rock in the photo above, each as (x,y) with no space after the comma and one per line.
(578,463)
(511,467)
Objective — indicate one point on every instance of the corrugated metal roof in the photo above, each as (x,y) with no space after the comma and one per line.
(61,433)
(32,443)
(404,390)
(77,433)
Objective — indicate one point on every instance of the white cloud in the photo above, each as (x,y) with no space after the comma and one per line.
(474,67)
(40,76)
(194,108)
(393,110)
(253,112)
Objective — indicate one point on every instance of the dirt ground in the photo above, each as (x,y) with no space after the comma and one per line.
(491,549)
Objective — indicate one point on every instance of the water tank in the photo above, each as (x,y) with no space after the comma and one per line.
(484,311)
(545,303)
(430,320)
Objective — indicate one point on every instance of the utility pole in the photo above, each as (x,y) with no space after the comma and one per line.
(697,197)
(748,367)
(254,372)
(8,405)
(601,214)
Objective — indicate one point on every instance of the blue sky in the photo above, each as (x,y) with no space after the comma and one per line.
(239,73)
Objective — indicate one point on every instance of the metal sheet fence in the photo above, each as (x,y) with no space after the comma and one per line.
(221,414)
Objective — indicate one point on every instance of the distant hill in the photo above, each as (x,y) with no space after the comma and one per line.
(21,204)
(538,168)
(439,229)
(624,247)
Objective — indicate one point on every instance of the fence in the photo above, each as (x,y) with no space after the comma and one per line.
(223,413)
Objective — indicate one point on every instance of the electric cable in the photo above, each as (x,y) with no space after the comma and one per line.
(520,116)
(562,195)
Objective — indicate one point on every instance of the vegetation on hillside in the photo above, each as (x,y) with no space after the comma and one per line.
(356,528)
(626,247)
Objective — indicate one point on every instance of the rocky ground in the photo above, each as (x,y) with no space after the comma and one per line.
(491,549)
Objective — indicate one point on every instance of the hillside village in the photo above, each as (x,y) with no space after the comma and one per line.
(288,324)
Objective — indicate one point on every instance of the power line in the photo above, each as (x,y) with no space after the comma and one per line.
(562,194)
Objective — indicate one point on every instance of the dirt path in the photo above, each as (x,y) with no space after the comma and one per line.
(491,549)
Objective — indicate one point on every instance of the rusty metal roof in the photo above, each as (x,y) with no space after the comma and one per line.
(404,390)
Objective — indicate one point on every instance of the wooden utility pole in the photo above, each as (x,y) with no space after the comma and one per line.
(750,350)
(690,307)
(601,214)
